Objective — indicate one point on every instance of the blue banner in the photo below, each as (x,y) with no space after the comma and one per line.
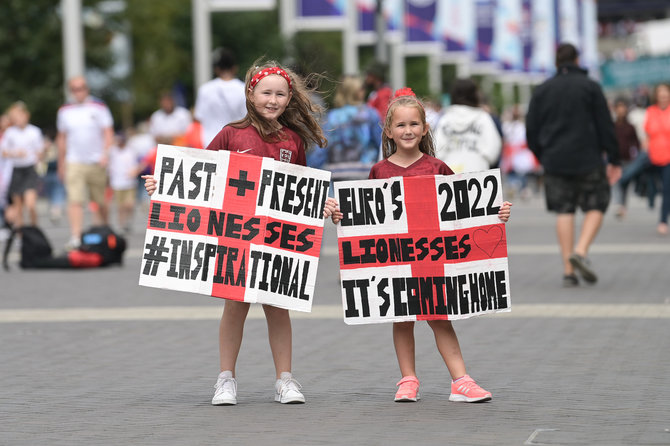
(568,22)
(321,8)
(484,19)
(455,25)
(392,11)
(420,20)
(543,36)
(527,33)
(506,47)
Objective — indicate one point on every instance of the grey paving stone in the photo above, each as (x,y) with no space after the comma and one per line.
(558,381)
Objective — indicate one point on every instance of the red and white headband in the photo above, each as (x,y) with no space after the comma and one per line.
(404,93)
(266,72)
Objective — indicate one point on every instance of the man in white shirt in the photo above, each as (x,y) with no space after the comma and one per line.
(170,121)
(221,100)
(85,135)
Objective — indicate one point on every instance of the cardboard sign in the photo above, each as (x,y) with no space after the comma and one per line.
(235,226)
(422,248)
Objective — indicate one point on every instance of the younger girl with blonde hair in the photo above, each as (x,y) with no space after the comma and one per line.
(409,151)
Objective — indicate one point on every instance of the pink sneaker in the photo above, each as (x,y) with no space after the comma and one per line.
(408,389)
(466,390)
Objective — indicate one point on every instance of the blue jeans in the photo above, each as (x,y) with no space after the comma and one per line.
(54,189)
(630,172)
(665,205)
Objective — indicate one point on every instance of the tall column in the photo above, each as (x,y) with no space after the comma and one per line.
(349,43)
(73,41)
(202,42)
(381,53)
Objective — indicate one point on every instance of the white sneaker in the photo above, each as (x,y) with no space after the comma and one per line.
(73,244)
(226,390)
(287,390)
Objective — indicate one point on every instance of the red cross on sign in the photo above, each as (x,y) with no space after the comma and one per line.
(417,248)
(235,226)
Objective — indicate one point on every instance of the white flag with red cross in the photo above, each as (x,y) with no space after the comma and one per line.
(422,248)
(235,226)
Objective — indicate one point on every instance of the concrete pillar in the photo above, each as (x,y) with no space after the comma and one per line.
(73,41)
(202,42)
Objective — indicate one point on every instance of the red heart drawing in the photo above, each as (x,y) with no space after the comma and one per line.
(488,239)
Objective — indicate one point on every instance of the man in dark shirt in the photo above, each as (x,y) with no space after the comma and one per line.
(570,130)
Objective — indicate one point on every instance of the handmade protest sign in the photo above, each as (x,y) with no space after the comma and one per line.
(235,226)
(422,248)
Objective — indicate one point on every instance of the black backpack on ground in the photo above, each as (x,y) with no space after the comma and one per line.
(104,241)
(100,246)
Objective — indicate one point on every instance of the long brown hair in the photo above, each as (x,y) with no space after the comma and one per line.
(388,145)
(300,114)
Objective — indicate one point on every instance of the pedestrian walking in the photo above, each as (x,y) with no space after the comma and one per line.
(379,91)
(123,171)
(279,124)
(85,136)
(222,99)
(570,130)
(22,144)
(170,121)
(353,131)
(633,160)
(466,137)
(657,126)
(409,151)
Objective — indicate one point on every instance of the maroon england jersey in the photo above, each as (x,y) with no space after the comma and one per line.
(426,165)
(247,140)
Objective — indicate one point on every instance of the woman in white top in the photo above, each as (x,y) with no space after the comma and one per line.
(22,144)
(466,138)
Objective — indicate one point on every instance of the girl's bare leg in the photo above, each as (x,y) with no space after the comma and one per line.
(231,329)
(280,336)
(403,341)
(449,348)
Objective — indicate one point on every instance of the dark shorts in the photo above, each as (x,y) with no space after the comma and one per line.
(23,179)
(589,191)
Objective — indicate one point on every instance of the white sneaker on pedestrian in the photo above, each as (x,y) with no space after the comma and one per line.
(287,390)
(226,390)
(73,244)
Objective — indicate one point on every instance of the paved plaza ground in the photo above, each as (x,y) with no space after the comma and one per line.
(90,358)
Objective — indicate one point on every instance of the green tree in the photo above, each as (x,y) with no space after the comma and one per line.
(249,35)
(31,60)
(160,33)
(32,57)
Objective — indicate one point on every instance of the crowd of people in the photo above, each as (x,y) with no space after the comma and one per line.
(85,164)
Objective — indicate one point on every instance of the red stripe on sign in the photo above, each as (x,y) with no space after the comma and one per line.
(422,216)
(240,196)
(424,247)
(204,221)
(242,182)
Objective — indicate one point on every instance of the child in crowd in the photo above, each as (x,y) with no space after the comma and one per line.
(22,144)
(5,178)
(409,151)
(279,124)
(123,167)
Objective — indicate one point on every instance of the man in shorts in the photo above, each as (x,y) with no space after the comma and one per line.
(570,130)
(85,135)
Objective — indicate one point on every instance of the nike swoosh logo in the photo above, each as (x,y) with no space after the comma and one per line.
(243,151)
